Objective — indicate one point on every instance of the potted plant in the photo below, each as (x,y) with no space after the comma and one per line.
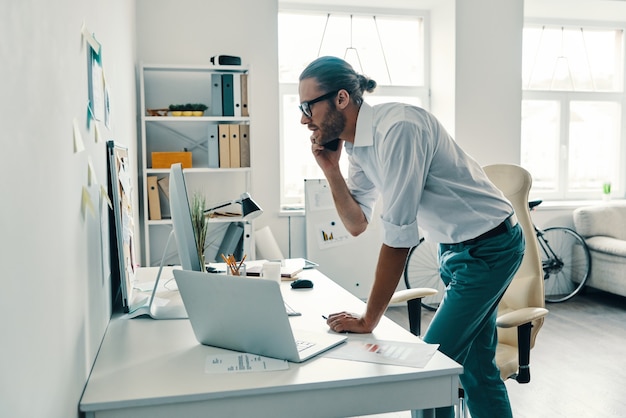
(198,109)
(176,109)
(200,223)
(188,109)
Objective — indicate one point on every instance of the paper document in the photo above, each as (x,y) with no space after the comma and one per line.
(242,362)
(385,352)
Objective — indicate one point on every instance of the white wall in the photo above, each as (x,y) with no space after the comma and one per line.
(488,79)
(54,295)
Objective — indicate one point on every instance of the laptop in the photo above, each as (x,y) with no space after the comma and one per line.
(247,315)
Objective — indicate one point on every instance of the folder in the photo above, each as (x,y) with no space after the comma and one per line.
(224,146)
(244,95)
(164,185)
(154,205)
(216,95)
(233,143)
(213,146)
(228,102)
(237,95)
(230,242)
(244,145)
(164,197)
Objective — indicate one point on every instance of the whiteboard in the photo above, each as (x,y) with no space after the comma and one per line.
(349,261)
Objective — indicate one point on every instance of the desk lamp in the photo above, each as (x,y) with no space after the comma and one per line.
(249,208)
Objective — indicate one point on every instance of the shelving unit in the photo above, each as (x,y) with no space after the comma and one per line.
(160,86)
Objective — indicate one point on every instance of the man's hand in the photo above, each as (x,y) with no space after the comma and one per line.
(388,272)
(348,322)
(327,160)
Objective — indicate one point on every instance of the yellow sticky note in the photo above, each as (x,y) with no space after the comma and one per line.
(90,39)
(105,195)
(87,204)
(96,131)
(91,173)
(79,145)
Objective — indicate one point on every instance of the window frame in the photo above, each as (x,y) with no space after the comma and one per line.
(289,204)
(564,99)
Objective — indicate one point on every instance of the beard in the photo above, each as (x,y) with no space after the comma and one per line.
(333,125)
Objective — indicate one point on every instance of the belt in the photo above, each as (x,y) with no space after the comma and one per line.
(505,226)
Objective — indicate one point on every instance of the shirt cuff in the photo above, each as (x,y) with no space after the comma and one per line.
(401,236)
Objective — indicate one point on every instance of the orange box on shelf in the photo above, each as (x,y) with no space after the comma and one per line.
(166,159)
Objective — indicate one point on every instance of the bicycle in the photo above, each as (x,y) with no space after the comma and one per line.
(565,259)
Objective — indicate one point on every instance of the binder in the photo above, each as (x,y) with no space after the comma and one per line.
(244,95)
(164,197)
(244,145)
(154,205)
(237,95)
(164,185)
(231,240)
(216,95)
(228,101)
(224,145)
(214,148)
(234,146)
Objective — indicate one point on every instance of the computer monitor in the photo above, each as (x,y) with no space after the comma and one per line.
(181,220)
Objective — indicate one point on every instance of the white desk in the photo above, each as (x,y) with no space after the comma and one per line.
(149,368)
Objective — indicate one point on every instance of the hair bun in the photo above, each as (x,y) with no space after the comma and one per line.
(366,84)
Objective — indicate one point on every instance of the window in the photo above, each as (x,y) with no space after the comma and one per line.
(572,110)
(389,49)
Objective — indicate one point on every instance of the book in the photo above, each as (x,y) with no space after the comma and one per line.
(231,239)
(228,101)
(214,148)
(164,185)
(288,270)
(154,204)
(244,145)
(233,143)
(237,96)
(224,145)
(216,95)
(244,95)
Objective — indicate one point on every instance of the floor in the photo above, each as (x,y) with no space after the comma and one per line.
(578,364)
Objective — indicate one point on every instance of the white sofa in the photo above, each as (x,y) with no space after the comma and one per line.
(604,228)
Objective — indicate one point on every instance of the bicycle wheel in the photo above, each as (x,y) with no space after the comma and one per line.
(566,263)
(422,270)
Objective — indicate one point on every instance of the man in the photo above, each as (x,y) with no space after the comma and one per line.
(404,155)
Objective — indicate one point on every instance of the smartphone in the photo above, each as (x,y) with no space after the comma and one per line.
(332,145)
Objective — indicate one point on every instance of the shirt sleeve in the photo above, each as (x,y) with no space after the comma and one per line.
(405,154)
(362,189)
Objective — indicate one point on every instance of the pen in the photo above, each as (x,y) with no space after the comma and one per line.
(324,316)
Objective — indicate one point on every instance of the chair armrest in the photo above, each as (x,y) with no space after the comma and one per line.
(520,317)
(410,294)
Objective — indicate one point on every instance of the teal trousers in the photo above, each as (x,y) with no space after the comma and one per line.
(476,275)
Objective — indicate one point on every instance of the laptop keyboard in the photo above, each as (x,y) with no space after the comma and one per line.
(303,345)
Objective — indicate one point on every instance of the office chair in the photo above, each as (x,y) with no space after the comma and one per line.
(522,308)
(413,299)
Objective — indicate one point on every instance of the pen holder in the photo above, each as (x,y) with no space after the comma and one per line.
(242,272)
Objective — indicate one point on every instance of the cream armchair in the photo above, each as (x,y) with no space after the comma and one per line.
(522,308)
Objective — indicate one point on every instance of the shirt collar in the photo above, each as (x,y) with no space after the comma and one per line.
(363,136)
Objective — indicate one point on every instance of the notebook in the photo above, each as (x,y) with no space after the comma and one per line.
(247,315)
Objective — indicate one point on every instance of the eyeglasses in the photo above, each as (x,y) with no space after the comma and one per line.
(305,107)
